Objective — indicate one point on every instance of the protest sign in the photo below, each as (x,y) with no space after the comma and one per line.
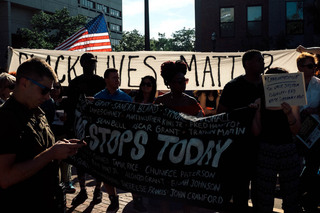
(279,88)
(309,132)
(155,151)
(206,70)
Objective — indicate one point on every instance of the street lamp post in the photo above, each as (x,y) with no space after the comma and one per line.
(146,25)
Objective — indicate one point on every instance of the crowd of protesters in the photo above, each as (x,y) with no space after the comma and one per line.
(34,127)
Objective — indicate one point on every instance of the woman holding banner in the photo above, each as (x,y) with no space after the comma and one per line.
(147,90)
(146,94)
(277,153)
(173,74)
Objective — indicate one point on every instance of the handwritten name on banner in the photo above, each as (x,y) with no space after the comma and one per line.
(155,151)
(206,70)
(281,88)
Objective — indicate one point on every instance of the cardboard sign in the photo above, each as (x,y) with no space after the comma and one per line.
(279,88)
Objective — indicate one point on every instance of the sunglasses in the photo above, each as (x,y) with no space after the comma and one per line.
(44,90)
(309,66)
(182,81)
(146,84)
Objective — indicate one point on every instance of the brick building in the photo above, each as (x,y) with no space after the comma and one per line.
(239,25)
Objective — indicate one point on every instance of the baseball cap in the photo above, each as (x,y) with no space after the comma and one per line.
(87,57)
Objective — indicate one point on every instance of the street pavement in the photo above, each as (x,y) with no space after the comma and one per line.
(125,201)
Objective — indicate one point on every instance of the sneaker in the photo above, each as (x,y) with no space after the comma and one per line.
(97,196)
(80,198)
(69,188)
(114,205)
(138,204)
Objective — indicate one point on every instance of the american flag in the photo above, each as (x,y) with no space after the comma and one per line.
(94,37)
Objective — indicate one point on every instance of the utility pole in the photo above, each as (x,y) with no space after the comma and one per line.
(146,25)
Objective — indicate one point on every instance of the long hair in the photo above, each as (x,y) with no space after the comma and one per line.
(139,96)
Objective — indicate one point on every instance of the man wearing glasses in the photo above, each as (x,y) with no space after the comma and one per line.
(29,154)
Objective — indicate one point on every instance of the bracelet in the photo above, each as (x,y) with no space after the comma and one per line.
(293,122)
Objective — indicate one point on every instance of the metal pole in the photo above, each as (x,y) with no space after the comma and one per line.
(146,25)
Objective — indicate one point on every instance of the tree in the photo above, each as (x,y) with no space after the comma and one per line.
(182,40)
(131,41)
(49,30)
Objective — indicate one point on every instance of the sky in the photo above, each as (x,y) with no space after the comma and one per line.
(165,16)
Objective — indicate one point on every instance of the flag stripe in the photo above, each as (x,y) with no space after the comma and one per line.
(85,46)
(95,48)
(93,37)
(73,38)
(99,42)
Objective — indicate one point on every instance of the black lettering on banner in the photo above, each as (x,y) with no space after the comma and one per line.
(271,60)
(131,69)
(113,60)
(72,68)
(148,65)
(121,66)
(153,150)
(219,62)
(207,63)
(233,63)
(193,58)
(56,69)
(48,60)
(20,56)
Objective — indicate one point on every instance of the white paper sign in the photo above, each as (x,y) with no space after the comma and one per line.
(279,88)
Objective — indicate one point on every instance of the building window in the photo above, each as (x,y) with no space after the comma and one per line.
(227,22)
(294,17)
(87,3)
(102,8)
(114,12)
(115,27)
(254,20)
(115,42)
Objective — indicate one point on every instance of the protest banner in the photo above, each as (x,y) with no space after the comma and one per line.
(206,70)
(309,132)
(154,151)
(279,88)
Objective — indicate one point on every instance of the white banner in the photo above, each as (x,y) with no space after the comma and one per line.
(206,70)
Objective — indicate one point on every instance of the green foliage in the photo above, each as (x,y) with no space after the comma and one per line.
(182,40)
(49,30)
(131,41)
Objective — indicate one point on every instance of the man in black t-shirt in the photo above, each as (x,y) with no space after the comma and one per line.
(87,84)
(238,94)
(29,154)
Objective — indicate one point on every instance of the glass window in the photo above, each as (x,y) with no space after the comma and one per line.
(294,17)
(114,12)
(115,27)
(102,8)
(254,20)
(227,22)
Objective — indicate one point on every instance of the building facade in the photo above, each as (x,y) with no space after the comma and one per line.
(239,25)
(15,14)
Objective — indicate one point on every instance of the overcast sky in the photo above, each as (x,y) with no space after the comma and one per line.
(166,16)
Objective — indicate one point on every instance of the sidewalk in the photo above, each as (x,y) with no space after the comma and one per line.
(125,201)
